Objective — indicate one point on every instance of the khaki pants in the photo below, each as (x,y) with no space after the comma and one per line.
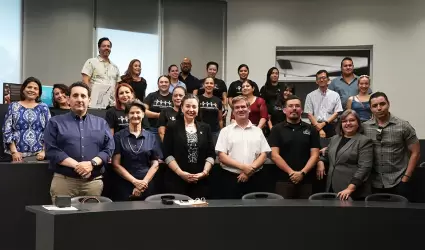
(63,185)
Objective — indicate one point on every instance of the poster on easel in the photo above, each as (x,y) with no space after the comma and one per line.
(11,92)
(47,95)
(100,95)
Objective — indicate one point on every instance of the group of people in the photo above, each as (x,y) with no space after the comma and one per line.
(183,124)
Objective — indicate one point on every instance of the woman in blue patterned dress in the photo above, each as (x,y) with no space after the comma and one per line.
(24,123)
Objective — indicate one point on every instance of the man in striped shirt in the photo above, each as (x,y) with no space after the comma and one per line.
(396,148)
(322,106)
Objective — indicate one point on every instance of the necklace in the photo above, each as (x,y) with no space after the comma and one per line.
(131,148)
(190,128)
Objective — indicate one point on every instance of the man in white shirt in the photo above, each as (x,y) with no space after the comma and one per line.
(100,70)
(242,150)
(323,106)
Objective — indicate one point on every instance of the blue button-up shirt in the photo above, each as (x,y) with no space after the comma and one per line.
(137,153)
(345,90)
(179,83)
(80,139)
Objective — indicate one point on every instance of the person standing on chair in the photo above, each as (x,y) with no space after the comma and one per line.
(242,150)
(173,74)
(346,85)
(360,102)
(323,106)
(191,82)
(188,151)
(100,69)
(220,88)
(396,148)
(78,146)
(295,151)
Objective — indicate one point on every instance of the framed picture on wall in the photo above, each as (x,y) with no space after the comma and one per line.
(302,63)
(298,65)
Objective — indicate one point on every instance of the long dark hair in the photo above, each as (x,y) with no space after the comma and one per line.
(25,84)
(280,102)
(64,88)
(268,85)
(127,77)
(180,115)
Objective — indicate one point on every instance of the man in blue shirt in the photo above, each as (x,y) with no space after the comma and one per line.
(346,85)
(78,145)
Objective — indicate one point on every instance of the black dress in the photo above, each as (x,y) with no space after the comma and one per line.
(139,88)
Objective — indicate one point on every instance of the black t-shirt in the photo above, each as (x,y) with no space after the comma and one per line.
(139,88)
(157,103)
(277,115)
(235,88)
(219,88)
(270,95)
(294,142)
(117,119)
(58,111)
(208,109)
(167,117)
(341,144)
(191,82)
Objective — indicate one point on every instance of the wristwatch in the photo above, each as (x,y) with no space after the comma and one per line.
(302,172)
(93,163)
(326,122)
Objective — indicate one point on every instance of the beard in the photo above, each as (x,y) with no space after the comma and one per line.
(294,118)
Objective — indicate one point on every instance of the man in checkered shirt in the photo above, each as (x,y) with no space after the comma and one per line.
(396,148)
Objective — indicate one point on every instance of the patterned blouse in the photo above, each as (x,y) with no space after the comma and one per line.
(192,143)
(25,127)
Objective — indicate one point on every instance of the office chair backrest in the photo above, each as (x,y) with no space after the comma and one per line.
(262,195)
(384,197)
(170,196)
(89,199)
(325,196)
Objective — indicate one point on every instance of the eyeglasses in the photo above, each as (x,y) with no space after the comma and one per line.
(368,77)
(379,134)
(322,78)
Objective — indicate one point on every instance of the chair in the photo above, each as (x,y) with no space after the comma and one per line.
(383,197)
(325,196)
(159,197)
(90,199)
(262,195)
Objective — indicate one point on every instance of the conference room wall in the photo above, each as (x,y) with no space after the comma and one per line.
(58,36)
(396,29)
(57,39)
(195,29)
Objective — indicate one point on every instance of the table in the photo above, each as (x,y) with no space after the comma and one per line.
(21,184)
(233,224)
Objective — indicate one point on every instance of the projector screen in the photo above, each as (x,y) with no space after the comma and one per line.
(127,46)
(10,42)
